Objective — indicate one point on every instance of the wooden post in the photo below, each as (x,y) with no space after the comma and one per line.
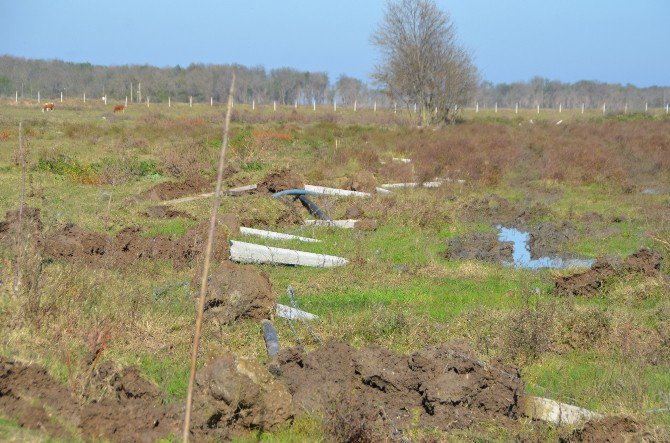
(334,105)
(582,108)
(253,105)
(147,101)
(355,105)
(516,108)
(169,102)
(646,107)
(16,97)
(295,105)
(496,107)
(274,106)
(211,101)
(604,108)
(190,101)
(395,108)
(84,97)
(375,107)
(61,96)
(477,107)
(560,108)
(105,98)
(313,104)
(126,101)
(666,108)
(38,97)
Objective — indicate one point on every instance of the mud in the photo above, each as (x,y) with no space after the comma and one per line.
(363,181)
(588,283)
(611,429)
(548,238)
(441,387)
(239,292)
(128,246)
(281,180)
(166,212)
(30,218)
(171,190)
(479,246)
(30,396)
(236,394)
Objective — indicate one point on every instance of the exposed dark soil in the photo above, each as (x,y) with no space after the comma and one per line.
(609,429)
(239,292)
(353,212)
(363,181)
(588,283)
(171,190)
(366,224)
(447,388)
(30,218)
(166,212)
(281,180)
(128,246)
(134,412)
(548,238)
(479,246)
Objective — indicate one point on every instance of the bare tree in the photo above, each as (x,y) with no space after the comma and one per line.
(422,63)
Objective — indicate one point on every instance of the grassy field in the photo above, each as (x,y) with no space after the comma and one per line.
(608,352)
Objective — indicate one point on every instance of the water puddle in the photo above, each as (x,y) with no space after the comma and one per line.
(521,253)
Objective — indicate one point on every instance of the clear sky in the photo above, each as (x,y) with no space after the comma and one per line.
(620,41)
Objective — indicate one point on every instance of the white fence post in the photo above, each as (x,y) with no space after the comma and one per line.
(538,108)
(253,105)
(190,101)
(38,97)
(667,106)
(496,108)
(16,97)
(375,108)
(516,108)
(61,96)
(313,104)
(582,108)
(126,101)
(105,98)
(169,102)
(334,105)
(355,105)
(274,106)
(560,108)
(477,107)
(646,107)
(604,108)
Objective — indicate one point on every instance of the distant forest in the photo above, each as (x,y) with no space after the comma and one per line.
(285,86)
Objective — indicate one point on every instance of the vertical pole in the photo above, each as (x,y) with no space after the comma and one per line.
(646,107)
(538,108)
(126,101)
(61,96)
(516,108)
(582,108)
(355,105)
(666,108)
(190,101)
(496,108)
(334,105)
(313,104)
(274,106)
(253,104)
(38,97)
(375,108)
(169,102)
(139,92)
(395,108)
(105,99)
(560,108)
(84,97)
(211,101)
(295,105)
(625,108)
(414,107)
(16,98)
(131,92)
(477,107)
(147,101)
(604,108)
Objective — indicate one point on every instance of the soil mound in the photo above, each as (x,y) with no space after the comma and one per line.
(73,243)
(588,283)
(166,212)
(353,212)
(239,292)
(235,394)
(446,387)
(30,217)
(366,224)
(363,181)
(281,180)
(547,239)
(171,190)
(479,246)
(611,429)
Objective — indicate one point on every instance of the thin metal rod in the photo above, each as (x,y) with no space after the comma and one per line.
(205,269)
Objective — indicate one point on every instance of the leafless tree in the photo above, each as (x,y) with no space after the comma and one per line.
(422,63)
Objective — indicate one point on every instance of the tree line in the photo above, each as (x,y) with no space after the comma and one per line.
(285,86)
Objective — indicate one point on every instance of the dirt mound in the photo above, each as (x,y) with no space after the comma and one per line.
(29,395)
(281,180)
(548,238)
(74,243)
(166,212)
(235,394)
(611,429)
(479,246)
(239,292)
(366,224)
(442,385)
(30,217)
(588,283)
(171,190)
(363,181)
(353,212)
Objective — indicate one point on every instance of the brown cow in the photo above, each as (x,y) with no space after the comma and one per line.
(48,107)
(119,108)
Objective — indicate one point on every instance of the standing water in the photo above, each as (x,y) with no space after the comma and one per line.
(521,253)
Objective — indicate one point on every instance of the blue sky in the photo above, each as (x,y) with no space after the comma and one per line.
(620,41)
